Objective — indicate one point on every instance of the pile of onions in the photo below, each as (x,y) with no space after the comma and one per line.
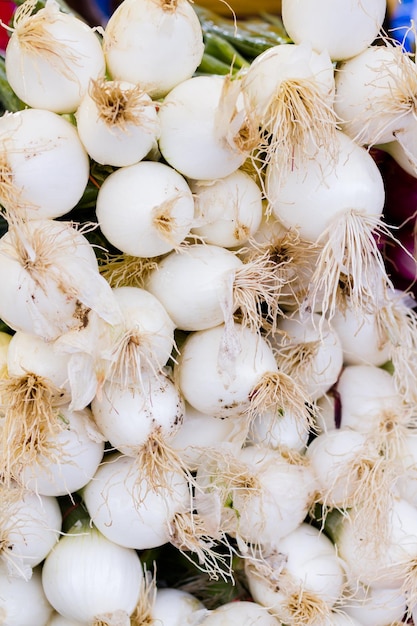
(230,375)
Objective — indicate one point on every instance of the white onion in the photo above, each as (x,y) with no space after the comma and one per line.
(282,430)
(379,606)
(374,94)
(203,128)
(45,167)
(335,200)
(369,398)
(29,353)
(360,338)
(175,607)
(228,210)
(87,577)
(59,620)
(244,612)
(130,50)
(310,351)
(117,123)
(51,57)
(30,527)
(50,280)
(23,601)
(256,495)
(384,562)
(200,432)
(71,457)
(140,420)
(203,285)
(289,91)
(320,189)
(342,28)
(143,342)
(145,209)
(213,389)
(127,511)
(301,581)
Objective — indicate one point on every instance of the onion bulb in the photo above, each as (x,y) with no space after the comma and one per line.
(335,202)
(50,279)
(23,601)
(288,91)
(301,580)
(117,122)
(342,28)
(130,50)
(225,379)
(51,57)
(91,579)
(44,166)
(205,131)
(228,210)
(30,526)
(375,94)
(140,420)
(145,209)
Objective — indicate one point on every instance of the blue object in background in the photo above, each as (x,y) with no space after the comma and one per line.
(104,6)
(400,23)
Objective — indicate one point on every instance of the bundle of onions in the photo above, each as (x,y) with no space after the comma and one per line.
(51,57)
